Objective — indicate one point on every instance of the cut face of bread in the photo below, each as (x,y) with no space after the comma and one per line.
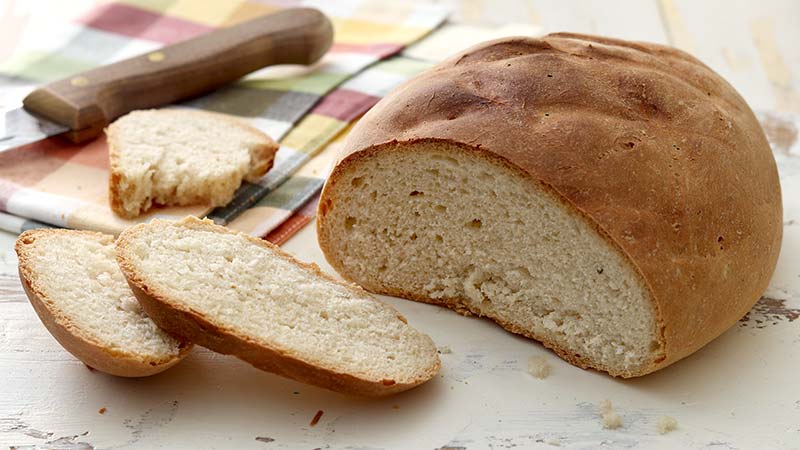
(182,157)
(75,286)
(243,296)
(440,224)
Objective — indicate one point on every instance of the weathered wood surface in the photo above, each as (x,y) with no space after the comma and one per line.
(741,391)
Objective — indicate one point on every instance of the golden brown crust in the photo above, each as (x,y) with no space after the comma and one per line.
(264,157)
(114,176)
(261,158)
(193,326)
(92,353)
(654,148)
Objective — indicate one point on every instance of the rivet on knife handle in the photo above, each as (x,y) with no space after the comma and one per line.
(88,102)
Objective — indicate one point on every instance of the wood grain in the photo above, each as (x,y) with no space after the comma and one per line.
(739,392)
(88,102)
(10,289)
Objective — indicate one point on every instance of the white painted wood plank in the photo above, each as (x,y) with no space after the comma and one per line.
(740,391)
(484,397)
(639,20)
(754,45)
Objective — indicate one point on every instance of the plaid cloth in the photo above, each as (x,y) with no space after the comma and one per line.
(53,182)
(347,103)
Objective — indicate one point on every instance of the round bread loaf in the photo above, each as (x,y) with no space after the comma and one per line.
(616,200)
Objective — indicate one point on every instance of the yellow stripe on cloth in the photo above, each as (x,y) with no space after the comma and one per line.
(211,13)
(311,133)
(357,31)
(248,11)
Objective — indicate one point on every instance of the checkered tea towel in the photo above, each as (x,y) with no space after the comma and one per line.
(65,185)
(282,212)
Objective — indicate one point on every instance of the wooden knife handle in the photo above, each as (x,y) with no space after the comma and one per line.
(88,102)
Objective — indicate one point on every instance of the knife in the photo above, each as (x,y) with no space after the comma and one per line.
(82,105)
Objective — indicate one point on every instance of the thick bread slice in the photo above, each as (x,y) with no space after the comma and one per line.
(182,157)
(239,295)
(75,286)
(616,200)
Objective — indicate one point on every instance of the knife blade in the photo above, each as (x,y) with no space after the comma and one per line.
(81,106)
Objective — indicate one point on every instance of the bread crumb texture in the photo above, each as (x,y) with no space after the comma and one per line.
(182,157)
(254,290)
(77,275)
(539,367)
(667,424)
(471,233)
(611,420)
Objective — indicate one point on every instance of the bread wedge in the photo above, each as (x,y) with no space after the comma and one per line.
(615,200)
(243,296)
(182,157)
(79,293)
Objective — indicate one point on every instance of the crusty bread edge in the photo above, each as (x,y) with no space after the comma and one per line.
(194,327)
(83,347)
(262,158)
(328,198)
(696,305)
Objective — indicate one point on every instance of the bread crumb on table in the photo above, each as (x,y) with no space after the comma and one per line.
(315,419)
(611,420)
(539,367)
(667,424)
(445,350)
(102,410)
(554,442)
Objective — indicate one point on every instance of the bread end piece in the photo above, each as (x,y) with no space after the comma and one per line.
(164,157)
(69,334)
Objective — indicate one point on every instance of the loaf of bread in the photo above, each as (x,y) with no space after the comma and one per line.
(182,157)
(615,200)
(243,296)
(75,286)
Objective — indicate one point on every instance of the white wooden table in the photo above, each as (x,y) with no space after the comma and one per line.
(741,391)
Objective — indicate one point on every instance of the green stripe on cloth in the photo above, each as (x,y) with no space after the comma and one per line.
(314,83)
(312,133)
(287,106)
(160,6)
(43,67)
(403,65)
(292,193)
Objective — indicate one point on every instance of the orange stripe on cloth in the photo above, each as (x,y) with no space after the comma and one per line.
(288,228)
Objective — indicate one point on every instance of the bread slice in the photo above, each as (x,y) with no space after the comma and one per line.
(616,200)
(79,293)
(182,157)
(239,295)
